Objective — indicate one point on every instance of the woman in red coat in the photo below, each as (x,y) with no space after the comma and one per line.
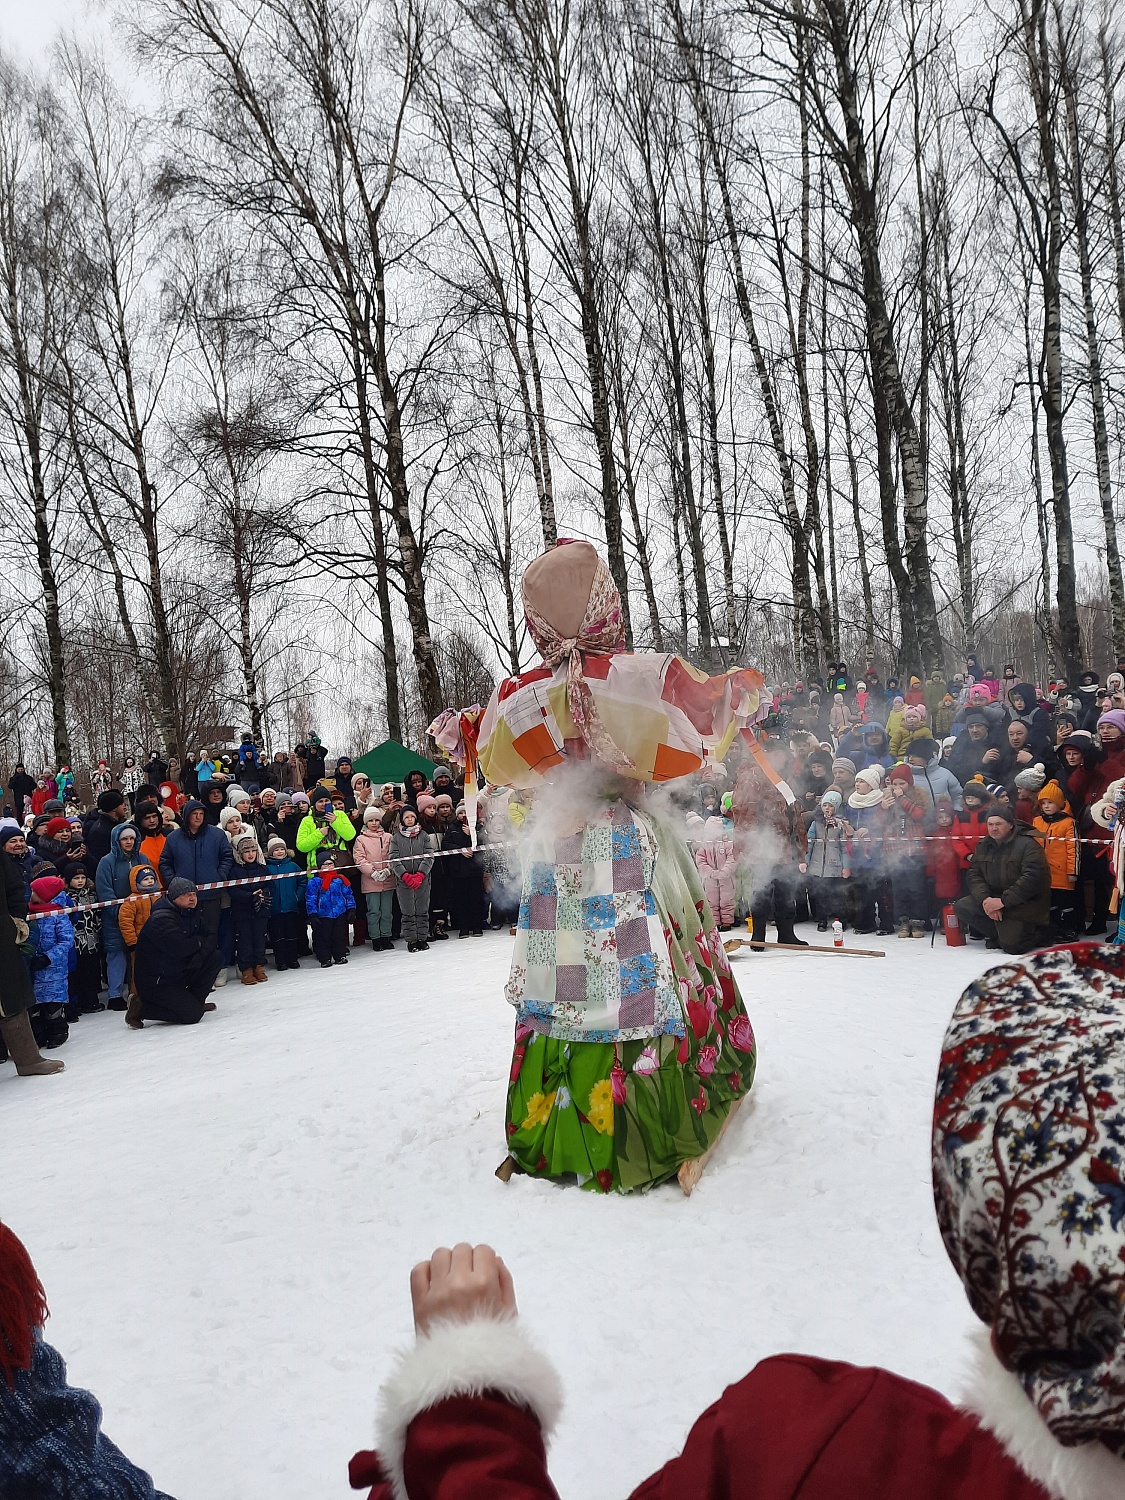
(1030,1195)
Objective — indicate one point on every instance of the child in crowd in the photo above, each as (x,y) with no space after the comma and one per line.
(828,861)
(371,852)
(904,812)
(913,727)
(144,890)
(430,819)
(865,815)
(943,858)
(714,858)
(412,859)
(250,905)
(328,900)
(230,821)
(85,979)
(286,918)
(1059,833)
(52,940)
(465,877)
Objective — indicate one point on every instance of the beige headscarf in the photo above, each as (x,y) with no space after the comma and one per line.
(564,627)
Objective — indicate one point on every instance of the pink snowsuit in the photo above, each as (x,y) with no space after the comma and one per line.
(714,857)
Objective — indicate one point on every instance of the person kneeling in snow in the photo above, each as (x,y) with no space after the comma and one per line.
(176,961)
(470,1408)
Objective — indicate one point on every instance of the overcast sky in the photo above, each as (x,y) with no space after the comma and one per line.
(27,27)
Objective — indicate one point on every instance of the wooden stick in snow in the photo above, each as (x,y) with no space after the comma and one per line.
(732,944)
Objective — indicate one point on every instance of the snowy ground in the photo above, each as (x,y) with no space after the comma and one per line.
(224,1216)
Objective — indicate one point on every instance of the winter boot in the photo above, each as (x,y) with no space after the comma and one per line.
(758,931)
(249,977)
(20,1042)
(118,1002)
(260,974)
(221,977)
(133,1014)
(918,929)
(903,928)
(785,933)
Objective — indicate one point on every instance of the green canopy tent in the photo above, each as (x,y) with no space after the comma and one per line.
(391,761)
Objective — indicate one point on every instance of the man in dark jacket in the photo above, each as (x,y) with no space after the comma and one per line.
(200,853)
(176,961)
(1009,899)
(112,809)
(155,768)
(213,798)
(1017,752)
(974,754)
(21,787)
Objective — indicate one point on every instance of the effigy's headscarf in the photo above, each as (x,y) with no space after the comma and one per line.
(1029,1178)
(572,606)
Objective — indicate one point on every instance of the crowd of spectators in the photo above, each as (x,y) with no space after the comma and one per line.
(144,901)
(981,796)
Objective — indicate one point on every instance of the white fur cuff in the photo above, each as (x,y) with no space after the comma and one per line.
(995,1395)
(463,1359)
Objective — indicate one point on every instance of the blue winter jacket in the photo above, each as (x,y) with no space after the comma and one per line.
(288,895)
(332,902)
(51,1442)
(112,880)
(53,936)
(200,857)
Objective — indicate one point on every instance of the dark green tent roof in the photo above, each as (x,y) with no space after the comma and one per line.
(391,761)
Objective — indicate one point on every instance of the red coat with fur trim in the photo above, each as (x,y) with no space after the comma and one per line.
(795,1428)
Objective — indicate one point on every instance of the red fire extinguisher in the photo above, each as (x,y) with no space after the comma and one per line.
(954,937)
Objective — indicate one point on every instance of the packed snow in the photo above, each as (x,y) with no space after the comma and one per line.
(224,1216)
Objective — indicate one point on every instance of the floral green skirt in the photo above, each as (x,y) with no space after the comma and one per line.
(624,1116)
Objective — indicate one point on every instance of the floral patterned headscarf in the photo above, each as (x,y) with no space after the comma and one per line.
(601,633)
(1029,1178)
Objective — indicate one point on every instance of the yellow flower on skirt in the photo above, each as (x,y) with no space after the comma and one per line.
(600,1112)
(539,1106)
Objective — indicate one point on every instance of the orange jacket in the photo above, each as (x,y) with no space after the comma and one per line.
(1059,838)
(134,913)
(150,847)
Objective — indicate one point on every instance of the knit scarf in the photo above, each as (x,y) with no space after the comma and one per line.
(326,877)
(23,1306)
(601,633)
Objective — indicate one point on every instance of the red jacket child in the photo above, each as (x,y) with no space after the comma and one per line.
(971,824)
(943,857)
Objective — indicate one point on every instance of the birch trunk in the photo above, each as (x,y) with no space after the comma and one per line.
(1093,348)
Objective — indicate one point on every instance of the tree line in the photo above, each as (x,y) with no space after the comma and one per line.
(812,314)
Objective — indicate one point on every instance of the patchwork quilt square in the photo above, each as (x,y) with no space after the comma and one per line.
(633,938)
(638,974)
(638,1009)
(598,911)
(542,912)
(629,874)
(570,983)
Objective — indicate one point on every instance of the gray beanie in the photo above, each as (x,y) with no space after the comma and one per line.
(1002,810)
(179,885)
(1032,778)
(236,793)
